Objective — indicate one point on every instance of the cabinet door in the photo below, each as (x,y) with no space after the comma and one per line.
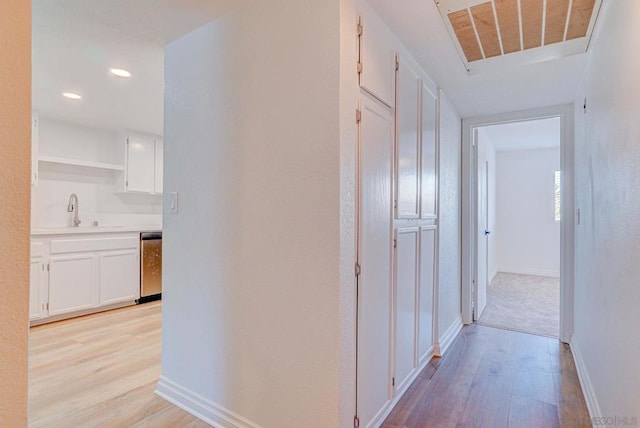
(158,182)
(377,58)
(140,164)
(375,147)
(406,293)
(427,279)
(72,281)
(119,276)
(35,279)
(408,142)
(429,153)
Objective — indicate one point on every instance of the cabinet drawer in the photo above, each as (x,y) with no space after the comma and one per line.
(62,246)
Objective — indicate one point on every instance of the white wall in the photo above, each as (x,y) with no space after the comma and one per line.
(487,153)
(252,310)
(95,188)
(527,235)
(607,159)
(449,257)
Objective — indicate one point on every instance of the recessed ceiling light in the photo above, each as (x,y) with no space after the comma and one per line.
(120,72)
(72,95)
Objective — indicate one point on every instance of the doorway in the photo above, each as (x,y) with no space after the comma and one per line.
(481,220)
(518,235)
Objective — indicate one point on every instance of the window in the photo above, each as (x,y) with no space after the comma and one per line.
(557,195)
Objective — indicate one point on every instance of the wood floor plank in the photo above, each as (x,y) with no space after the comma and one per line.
(528,413)
(100,371)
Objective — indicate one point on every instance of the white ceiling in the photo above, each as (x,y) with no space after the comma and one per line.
(530,135)
(419,25)
(76,42)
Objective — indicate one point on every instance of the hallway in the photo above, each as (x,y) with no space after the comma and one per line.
(495,378)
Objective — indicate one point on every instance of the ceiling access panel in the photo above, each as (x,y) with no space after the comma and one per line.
(494,34)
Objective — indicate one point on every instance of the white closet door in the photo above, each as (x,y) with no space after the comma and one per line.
(408,142)
(377,58)
(429,153)
(427,277)
(406,297)
(375,148)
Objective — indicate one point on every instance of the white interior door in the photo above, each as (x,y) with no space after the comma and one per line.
(483,239)
(375,144)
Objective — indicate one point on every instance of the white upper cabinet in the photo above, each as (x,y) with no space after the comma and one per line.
(158,182)
(140,164)
(408,142)
(143,165)
(429,153)
(377,58)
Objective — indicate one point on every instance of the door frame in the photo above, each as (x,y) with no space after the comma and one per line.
(567,223)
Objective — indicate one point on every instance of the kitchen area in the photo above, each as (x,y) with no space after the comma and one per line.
(97,165)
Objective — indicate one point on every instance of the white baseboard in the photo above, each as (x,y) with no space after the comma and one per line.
(200,407)
(585,381)
(531,271)
(448,337)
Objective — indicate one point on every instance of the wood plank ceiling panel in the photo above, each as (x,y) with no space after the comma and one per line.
(463,27)
(531,23)
(509,22)
(556,20)
(581,12)
(485,22)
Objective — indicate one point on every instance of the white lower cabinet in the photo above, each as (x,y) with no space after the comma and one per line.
(72,281)
(119,276)
(406,304)
(37,283)
(73,274)
(426,311)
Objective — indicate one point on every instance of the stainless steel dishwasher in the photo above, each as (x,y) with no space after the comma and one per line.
(150,266)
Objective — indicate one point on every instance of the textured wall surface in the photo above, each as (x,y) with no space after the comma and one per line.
(15,187)
(251,318)
(607,159)
(450,215)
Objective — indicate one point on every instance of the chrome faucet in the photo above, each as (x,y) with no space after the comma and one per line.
(73,208)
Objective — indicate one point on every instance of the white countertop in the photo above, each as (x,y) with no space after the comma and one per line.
(41,231)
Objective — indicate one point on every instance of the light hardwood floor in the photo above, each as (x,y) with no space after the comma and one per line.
(100,371)
(495,378)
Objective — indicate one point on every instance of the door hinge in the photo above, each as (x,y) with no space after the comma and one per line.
(397,63)
(393,381)
(395,242)
(48,267)
(358,269)
(47,306)
(356,422)
(126,183)
(358,115)
(359,67)
(359,28)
